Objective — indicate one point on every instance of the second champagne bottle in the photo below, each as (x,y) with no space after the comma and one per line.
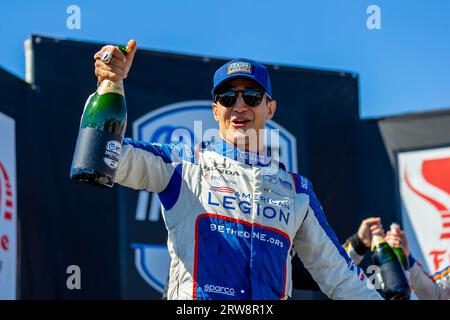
(394,283)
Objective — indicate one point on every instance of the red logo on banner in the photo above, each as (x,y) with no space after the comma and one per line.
(438,258)
(6,204)
(4,242)
(436,172)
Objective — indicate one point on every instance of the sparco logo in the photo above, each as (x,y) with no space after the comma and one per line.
(218,289)
(6,206)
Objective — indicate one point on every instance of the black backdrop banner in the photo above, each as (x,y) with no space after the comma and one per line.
(117,237)
(103,231)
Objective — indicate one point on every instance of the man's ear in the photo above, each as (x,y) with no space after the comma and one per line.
(272,107)
(215,111)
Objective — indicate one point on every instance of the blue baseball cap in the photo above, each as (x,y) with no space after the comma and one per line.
(242,68)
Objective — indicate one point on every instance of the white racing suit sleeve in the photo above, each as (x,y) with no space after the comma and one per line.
(327,261)
(424,286)
(149,166)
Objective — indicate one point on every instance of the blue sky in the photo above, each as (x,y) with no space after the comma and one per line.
(404,67)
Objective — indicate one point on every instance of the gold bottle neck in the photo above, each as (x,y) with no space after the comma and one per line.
(109,86)
(376,240)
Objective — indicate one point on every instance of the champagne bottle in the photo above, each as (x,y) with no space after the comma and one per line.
(395,285)
(101,134)
(397,249)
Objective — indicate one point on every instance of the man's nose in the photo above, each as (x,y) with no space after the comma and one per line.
(240,105)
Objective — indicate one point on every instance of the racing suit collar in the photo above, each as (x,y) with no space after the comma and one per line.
(228,150)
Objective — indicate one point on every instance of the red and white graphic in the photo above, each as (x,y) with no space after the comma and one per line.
(8,233)
(6,204)
(222,189)
(425,194)
(6,200)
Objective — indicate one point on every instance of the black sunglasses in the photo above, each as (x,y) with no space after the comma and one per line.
(252,97)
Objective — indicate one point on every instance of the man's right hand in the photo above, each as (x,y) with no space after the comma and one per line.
(369,227)
(118,67)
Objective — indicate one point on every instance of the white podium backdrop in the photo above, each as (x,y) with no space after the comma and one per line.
(8,205)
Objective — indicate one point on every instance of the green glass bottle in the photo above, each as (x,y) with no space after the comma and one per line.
(397,249)
(101,134)
(395,285)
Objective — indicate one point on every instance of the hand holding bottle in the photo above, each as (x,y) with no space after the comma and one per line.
(397,238)
(112,64)
(368,228)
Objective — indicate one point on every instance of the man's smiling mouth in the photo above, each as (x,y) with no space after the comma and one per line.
(240,121)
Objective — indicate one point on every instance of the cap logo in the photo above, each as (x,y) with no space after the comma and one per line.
(235,67)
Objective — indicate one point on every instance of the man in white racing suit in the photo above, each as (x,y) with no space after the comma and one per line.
(233,213)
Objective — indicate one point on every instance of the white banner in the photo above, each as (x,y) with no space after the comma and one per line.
(8,205)
(425,194)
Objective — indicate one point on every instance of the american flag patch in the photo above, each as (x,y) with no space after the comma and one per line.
(222,189)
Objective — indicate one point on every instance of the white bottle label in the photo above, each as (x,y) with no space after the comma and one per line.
(112,153)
